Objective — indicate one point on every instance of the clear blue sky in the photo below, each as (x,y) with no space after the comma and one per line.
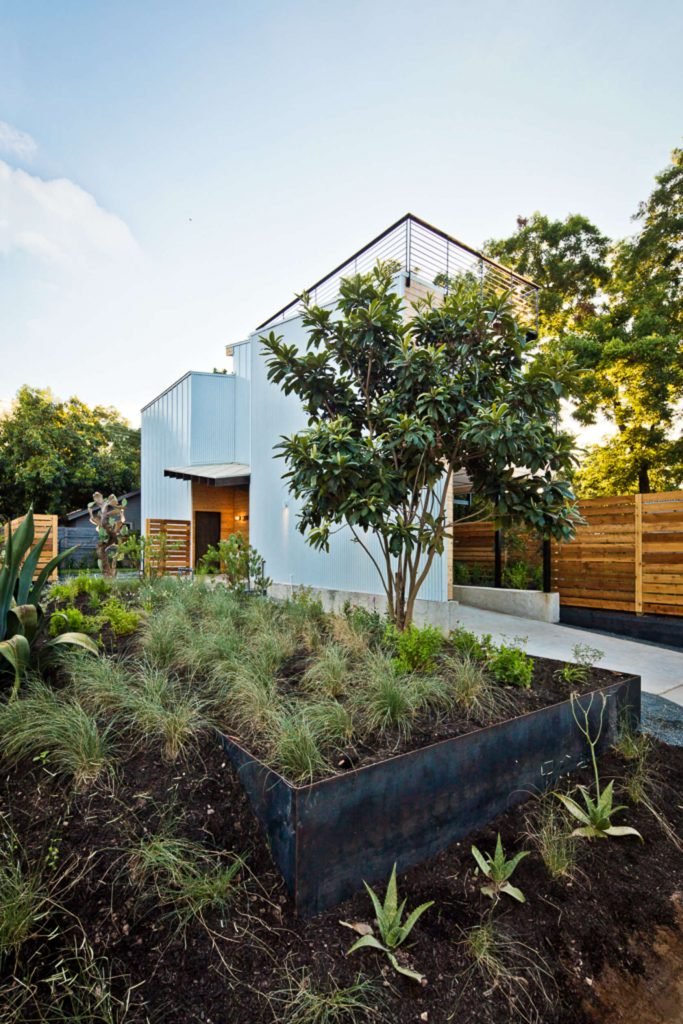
(171,173)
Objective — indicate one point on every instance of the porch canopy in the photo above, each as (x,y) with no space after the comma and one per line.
(216,474)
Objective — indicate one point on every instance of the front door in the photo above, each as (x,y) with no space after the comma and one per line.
(207,533)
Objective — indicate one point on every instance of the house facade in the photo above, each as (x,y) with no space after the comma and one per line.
(208,464)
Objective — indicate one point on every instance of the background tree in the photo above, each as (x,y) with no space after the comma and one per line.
(394,405)
(54,454)
(619,316)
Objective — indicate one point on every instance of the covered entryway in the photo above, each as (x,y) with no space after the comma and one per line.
(220,503)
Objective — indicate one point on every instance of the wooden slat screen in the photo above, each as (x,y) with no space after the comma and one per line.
(598,568)
(175,553)
(662,553)
(473,543)
(42,524)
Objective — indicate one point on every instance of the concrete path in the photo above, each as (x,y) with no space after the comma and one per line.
(660,669)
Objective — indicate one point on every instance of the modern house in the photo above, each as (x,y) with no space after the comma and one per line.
(208,466)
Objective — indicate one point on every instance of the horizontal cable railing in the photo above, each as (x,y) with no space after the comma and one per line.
(430,255)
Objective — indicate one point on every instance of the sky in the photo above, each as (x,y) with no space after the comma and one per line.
(172,173)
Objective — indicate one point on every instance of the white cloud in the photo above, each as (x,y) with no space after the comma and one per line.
(16,142)
(58,222)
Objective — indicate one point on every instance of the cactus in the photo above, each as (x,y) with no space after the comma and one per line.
(108,516)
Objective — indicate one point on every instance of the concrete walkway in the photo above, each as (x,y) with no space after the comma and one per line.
(660,669)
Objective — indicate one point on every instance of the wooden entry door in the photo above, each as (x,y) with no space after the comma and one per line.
(207,533)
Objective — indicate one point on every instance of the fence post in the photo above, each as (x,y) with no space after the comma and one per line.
(547,566)
(638,554)
(497,560)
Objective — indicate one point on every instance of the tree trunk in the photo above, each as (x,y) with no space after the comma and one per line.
(643,480)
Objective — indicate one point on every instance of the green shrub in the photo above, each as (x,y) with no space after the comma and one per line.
(469,645)
(123,621)
(511,666)
(416,649)
(461,574)
(71,620)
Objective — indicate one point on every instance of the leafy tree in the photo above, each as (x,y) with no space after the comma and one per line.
(396,403)
(567,258)
(54,455)
(634,357)
(619,316)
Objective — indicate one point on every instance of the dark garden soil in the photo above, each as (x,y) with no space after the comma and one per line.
(227,971)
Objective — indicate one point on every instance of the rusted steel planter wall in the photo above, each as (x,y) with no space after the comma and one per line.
(328,837)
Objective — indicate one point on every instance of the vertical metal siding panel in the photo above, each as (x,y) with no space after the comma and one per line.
(242,369)
(273,512)
(212,423)
(165,442)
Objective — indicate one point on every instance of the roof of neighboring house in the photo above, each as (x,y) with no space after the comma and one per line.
(213,473)
(84,511)
(418,248)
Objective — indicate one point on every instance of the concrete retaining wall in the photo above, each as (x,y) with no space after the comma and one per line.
(443,614)
(528,604)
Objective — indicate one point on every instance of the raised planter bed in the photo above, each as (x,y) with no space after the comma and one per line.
(328,837)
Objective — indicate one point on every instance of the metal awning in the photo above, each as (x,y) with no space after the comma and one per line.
(217,474)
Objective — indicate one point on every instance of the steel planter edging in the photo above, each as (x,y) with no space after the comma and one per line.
(328,837)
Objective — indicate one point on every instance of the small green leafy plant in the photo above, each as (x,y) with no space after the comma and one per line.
(393,929)
(585,658)
(596,814)
(498,869)
(469,645)
(416,648)
(511,666)
(234,558)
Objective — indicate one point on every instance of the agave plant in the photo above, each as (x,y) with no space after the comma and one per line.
(393,929)
(498,869)
(20,594)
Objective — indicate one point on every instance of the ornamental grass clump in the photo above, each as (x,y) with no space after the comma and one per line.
(24,899)
(296,748)
(386,700)
(328,674)
(55,728)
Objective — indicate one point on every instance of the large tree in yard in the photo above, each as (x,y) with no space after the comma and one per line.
(397,403)
(54,454)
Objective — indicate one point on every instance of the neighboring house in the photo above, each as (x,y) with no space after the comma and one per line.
(76,528)
(207,440)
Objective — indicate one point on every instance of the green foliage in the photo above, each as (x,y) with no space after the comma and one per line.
(469,645)
(53,454)
(72,619)
(24,901)
(416,648)
(386,699)
(184,878)
(21,613)
(123,621)
(296,748)
(58,729)
(499,869)
(595,816)
(549,831)
(520,575)
(234,558)
(392,928)
(305,1002)
(511,666)
(472,690)
(615,312)
(395,404)
(328,673)
(585,659)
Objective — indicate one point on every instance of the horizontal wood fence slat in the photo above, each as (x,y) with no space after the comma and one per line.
(42,525)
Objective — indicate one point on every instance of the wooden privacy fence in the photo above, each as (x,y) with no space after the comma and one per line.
(42,524)
(473,544)
(628,557)
(169,543)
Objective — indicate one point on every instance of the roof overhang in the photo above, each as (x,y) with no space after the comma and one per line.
(216,474)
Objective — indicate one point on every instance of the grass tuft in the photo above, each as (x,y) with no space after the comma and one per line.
(302,1001)
(549,830)
(55,728)
(328,674)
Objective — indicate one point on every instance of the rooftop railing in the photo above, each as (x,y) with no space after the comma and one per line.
(432,257)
